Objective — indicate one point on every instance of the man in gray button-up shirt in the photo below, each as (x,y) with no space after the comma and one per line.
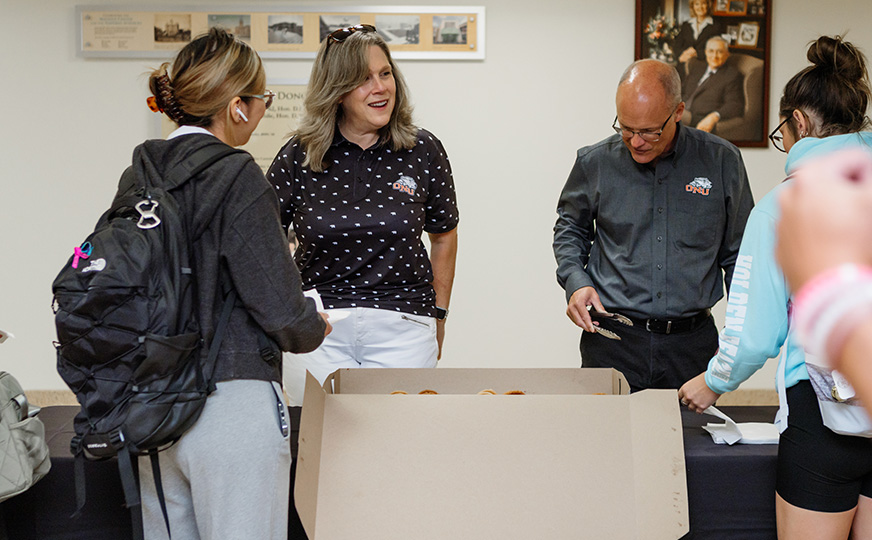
(649,223)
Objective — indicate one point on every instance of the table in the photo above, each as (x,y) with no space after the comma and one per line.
(44,512)
(731,489)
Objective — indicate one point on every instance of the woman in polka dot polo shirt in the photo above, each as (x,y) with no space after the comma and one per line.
(359,185)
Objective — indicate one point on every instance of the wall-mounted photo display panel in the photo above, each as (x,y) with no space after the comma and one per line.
(412,32)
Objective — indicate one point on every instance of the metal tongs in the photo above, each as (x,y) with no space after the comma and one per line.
(617,317)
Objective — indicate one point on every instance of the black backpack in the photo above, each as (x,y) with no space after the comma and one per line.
(129,344)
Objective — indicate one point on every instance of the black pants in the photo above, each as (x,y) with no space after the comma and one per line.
(650,360)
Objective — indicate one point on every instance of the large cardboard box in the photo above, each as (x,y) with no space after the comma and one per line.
(576,457)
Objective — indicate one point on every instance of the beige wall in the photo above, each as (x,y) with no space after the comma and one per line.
(511,125)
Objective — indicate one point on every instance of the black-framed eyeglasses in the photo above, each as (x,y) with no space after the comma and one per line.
(267,97)
(650,136)
(777,138)
(344,33)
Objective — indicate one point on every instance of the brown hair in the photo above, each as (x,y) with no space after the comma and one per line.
(206,74)
(333,76)
(833,91)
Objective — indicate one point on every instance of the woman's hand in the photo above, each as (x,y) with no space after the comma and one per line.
(696,394)
(329,327)
(687,54)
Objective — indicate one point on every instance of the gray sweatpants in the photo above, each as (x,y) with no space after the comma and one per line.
(228,477)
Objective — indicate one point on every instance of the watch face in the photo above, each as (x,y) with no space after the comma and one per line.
(441,313)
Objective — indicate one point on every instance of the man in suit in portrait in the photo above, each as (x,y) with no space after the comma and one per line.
(713,91)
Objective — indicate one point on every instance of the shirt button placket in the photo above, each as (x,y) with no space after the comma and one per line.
(659,250)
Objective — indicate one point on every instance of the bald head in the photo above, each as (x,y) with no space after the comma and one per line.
(648,102)
(645,78)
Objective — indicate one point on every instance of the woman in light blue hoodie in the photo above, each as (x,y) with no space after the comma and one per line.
(824,480)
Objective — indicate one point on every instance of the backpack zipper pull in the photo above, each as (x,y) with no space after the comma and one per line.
(82,252)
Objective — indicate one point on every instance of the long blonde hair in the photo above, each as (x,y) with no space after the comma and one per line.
(206,74)
(333,76)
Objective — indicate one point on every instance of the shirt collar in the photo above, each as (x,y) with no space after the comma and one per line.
(678,147)
(705,22)
(188,130)
(339,139)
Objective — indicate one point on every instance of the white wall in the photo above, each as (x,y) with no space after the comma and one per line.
(511,125)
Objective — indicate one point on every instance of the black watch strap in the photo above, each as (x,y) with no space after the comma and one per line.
(441,313)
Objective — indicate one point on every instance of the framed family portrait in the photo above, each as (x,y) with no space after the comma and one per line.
(720,49)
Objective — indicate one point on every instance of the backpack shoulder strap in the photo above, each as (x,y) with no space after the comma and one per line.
(198,161)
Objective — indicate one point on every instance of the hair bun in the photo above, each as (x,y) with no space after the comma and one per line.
(837,56)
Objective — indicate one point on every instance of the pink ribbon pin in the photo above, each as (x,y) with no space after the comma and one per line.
(79,253)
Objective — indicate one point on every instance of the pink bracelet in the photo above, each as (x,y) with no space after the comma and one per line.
(848,323)
(829,306)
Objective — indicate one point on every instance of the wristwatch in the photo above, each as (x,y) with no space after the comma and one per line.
(441,313)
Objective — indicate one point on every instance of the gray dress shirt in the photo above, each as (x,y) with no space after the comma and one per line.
(654,241)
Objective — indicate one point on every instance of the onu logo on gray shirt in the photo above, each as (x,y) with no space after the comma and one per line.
(700,185)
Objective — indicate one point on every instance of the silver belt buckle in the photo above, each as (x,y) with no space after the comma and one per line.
(668,326)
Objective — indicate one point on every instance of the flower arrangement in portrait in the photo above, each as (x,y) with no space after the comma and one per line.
(660,31)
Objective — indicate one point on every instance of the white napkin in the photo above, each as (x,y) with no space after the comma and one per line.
(334,315)
(313,294)
(744,433)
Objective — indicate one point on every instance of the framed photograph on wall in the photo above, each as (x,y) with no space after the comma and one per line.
(681,32)
(747,36)
(731,8)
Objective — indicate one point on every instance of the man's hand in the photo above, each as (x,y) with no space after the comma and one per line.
(578,306)
(696,394)
(709,122)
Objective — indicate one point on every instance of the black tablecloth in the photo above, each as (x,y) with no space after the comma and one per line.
(731,489)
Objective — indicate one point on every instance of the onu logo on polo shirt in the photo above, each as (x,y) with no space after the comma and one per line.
(406,184)
(700,185)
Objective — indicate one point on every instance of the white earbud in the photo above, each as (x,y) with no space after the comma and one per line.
(244,119)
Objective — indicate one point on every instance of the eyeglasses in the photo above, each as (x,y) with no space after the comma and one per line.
(777,138)
(267,97)
(650,136)
(343,33)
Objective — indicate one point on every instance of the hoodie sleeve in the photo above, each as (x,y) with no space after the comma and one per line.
(756,321)
(264,274)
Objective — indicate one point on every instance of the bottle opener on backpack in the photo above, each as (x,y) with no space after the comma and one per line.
(148,219)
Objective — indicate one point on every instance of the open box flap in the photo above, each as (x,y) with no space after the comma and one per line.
(658,462)
(309,454)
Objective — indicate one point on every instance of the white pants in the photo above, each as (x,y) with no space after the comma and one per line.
(367,338)
(228,477)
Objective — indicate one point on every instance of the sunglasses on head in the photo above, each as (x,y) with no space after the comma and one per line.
(343,33)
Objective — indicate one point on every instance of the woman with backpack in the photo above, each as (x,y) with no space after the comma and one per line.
(824,479)
(228,476)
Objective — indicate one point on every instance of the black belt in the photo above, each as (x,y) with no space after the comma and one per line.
(672,326)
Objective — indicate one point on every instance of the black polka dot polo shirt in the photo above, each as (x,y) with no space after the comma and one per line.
(360,222)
